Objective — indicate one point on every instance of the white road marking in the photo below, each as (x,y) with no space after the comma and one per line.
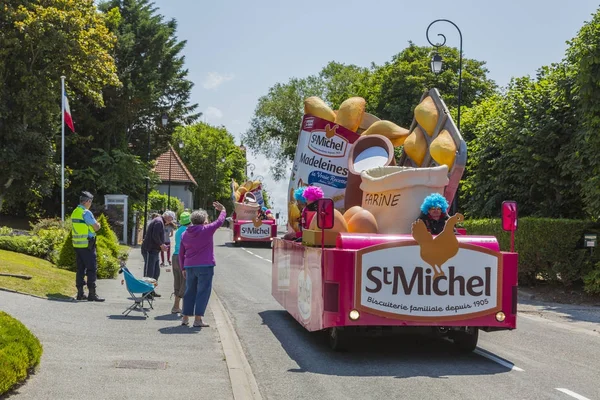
(498,360)
(255,255)
(572,394)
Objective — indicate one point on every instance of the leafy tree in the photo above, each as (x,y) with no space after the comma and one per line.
(582,76)
(391,91)
(408,76)
(39,42)
(213,159)
(274,128)
(106,155)
(522,140)
(266,198)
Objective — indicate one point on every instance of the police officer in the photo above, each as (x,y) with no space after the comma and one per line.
(84,242)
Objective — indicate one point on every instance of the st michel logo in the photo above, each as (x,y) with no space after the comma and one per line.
(327,142)
(428,277)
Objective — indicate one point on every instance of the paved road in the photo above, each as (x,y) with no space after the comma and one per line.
(554,347)
(86,344)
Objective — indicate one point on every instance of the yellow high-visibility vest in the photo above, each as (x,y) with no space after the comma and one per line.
(81,231)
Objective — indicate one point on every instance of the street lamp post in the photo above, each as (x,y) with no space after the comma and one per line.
(170,162)
(251,167)
(436,67)
(164,120)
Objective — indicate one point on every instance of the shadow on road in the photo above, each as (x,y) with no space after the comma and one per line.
(60,297)
(401,356)
(179,330)
(133,317)
(168,317)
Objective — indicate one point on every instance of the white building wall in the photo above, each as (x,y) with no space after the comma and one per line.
(178,190)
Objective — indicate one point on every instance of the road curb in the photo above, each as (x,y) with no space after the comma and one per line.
(70,300)
(243,382)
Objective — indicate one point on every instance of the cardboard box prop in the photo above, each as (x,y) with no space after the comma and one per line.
(394,194)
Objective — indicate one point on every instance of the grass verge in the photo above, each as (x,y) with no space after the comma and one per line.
(47,280)
(20,351)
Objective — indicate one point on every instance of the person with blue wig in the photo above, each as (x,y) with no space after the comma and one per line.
(299,197)
(434,213)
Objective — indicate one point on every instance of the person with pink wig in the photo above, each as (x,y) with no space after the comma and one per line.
(311,194)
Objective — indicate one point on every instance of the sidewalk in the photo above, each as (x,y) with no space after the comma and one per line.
(91,351)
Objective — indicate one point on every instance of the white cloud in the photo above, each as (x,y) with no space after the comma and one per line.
(214,79)
(277,190)
(212,113)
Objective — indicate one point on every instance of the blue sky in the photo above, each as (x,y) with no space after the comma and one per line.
(237,49)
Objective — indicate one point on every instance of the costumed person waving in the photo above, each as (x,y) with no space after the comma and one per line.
(434,213)
(311,194)
(295,214)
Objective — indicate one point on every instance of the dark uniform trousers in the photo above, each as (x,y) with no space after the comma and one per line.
(86,265)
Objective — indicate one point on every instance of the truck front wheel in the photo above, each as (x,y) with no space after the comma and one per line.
(466,340)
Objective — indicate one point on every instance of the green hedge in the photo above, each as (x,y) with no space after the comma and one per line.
(46,244)
(20,351)
(53,242)
(548,248)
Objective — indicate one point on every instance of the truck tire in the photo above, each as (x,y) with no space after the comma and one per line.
(338,340)
(466,341)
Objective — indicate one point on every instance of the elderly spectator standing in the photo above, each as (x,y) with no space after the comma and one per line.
(197,260)
(178,281)
(84,241)
(153,243)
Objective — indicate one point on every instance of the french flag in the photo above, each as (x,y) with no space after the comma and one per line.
(68,118)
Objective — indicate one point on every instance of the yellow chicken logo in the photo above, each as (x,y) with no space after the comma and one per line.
(435,251)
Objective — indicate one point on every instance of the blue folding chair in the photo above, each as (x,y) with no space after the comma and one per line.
(136,286)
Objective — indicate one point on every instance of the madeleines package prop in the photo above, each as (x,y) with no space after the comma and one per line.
(349,154)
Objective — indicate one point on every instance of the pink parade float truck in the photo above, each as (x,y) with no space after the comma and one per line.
(252,221)
(364,263)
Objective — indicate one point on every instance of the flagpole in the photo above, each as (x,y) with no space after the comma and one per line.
(62,152)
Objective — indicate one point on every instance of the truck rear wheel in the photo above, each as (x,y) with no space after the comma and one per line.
(338,340)
(466,341)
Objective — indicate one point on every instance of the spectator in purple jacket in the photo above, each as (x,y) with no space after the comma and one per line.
(197,261)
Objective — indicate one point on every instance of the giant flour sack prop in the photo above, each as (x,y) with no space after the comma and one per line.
(322,158)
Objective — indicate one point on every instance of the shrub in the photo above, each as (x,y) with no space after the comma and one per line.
(547,248)
(5,230)
(50,223)
(47,244)
(592,280)
(18,244)
(107,264)
(158,201)
(105,230)
(109,245)
(67,258)
(20,351)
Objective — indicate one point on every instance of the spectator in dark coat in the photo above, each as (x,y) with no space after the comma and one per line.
(154,243)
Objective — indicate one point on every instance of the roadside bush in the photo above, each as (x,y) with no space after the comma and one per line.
(49,223)
(47,244)
(112,247)
(592,280)
(106,231)
(66,258)
(107,264)
(548,248)
(18,244)
(5,230)
(20,351)
(158,201)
